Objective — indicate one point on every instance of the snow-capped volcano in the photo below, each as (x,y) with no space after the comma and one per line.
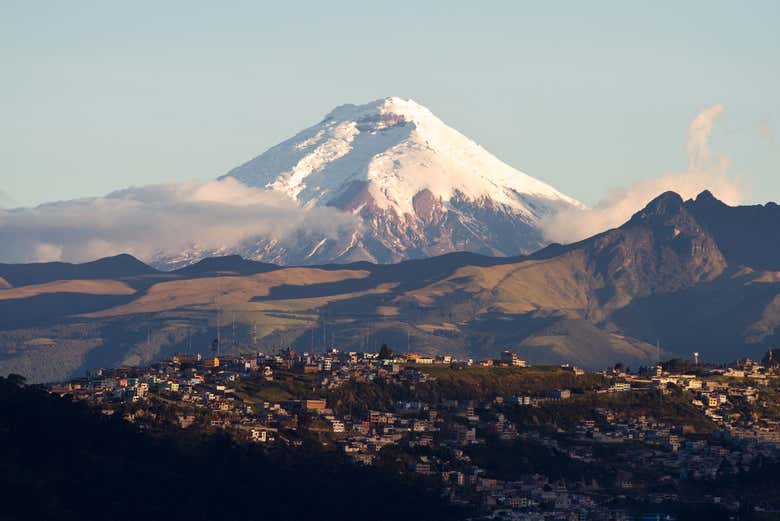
(420,187)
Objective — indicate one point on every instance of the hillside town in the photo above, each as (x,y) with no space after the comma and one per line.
(508,440)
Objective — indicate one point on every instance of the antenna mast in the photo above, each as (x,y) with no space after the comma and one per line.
(219,339)
(234,331)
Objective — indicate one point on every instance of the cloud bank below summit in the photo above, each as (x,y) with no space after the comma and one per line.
(218,217)
(707,170)
(160,220)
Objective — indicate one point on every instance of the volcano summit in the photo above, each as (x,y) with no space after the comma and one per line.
(419,187)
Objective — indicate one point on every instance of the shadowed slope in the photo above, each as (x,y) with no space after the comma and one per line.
(660,277)
(117,267)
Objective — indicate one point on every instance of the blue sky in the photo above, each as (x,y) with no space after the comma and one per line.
(587,96)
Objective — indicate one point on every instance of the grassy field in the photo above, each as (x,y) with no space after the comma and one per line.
(481,382)
(284,387)
(473,383)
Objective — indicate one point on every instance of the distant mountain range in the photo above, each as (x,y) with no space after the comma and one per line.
(693,275)
(418,187)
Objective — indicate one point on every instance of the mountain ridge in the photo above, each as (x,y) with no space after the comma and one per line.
(659,278)
(115,266)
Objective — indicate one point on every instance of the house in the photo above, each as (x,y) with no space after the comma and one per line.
(182,359)
(458,478)
(466,435)
(422,468)
(510,358)
(559,394)
(261,434)
(336,426)
(444,359)
(316,405)
(693,384)
(420,359)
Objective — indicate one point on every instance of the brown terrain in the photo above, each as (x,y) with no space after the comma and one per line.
(678,273)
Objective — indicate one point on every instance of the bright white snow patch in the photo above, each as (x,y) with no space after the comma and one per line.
(399,148)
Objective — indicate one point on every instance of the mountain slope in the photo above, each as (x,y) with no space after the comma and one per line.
(661,277)
(420,187)
(119,266)
(228,265)
(739,230)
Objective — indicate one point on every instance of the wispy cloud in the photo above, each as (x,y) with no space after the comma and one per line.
(160,220)
(707,170)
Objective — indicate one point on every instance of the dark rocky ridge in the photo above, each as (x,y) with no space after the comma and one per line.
(693,275)
(746,235)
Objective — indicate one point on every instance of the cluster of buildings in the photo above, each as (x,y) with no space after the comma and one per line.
(730,397)
(285,397)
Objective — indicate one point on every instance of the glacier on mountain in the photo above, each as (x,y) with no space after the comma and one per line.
(419,187)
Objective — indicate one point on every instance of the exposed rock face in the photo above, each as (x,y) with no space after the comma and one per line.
(662,249)
(747,235)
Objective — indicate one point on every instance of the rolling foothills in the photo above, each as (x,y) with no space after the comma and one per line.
(679,277)
(460,386)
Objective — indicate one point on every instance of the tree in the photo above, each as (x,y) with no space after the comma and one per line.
(17,380)
(385,353)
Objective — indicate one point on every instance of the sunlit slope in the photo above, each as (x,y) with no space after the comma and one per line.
(84,287)
(562,283)
(220,292)
(661,279)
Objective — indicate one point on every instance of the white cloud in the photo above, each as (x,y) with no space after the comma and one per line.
(160,220)
(707,170)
